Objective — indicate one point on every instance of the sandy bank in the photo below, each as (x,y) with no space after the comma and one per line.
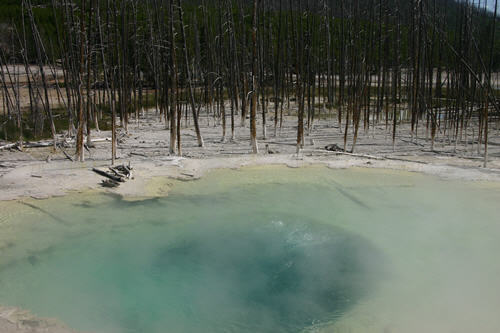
(43,180)
(41,172)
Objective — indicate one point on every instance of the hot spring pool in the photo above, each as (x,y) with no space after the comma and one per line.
(266,249)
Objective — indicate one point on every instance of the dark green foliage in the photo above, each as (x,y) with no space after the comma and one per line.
(10,13)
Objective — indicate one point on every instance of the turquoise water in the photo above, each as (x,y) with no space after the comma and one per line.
(262,250)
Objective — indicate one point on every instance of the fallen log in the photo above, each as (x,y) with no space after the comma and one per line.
(404,160)
(108,175)
(43,144)
(119,173)
(8,146)
(138,154)
(66,154)
(28,145)
(334,147)
(122,171)
(371,157)
(40,144)
(413,143)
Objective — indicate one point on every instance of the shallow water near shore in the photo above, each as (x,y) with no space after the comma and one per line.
(264,249)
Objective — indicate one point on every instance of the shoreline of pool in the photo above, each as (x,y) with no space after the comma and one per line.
(44,180)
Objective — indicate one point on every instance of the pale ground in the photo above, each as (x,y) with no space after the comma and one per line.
(28,174)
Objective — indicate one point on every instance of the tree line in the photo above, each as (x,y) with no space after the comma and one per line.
(429,63)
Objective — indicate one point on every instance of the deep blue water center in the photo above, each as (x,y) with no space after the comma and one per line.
(268,275)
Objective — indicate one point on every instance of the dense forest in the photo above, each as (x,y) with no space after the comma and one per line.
(360,62)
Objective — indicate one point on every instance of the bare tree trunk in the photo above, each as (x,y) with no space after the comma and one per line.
(188,74)
(173,97)
(489,83)
(81,122)
(253,116)
(89,101)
